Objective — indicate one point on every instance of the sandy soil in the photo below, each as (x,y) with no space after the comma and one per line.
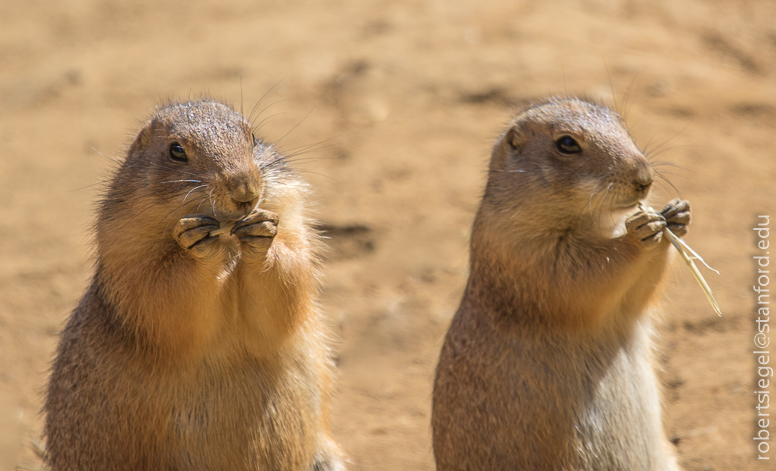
(404,98)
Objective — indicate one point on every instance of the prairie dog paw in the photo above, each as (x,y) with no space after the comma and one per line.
(192,232)
(646,227)
(678,215)
(256,230)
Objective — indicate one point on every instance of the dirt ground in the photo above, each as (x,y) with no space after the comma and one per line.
(402,100)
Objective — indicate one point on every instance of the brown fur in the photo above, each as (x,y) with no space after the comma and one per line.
(547,364)
(191,352)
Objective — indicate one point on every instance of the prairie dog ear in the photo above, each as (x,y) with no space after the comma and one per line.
(512,141)
(514,138)
(510,144)
(142,141)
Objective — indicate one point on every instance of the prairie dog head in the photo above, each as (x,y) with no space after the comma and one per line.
(196,157)
(568,162)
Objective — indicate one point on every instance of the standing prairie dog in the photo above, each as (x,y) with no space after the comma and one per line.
(547,364)
(196,348)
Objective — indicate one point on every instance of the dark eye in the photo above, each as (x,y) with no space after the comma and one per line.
(567,145)
(177,153)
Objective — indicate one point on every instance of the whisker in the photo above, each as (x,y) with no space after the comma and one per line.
(663,163)
(586,209)
(261,100)
(200,204)
(295,126)
(652,154)
(659,148)
(182,181)
(661,177)
(102,183)
(662,173)
(626,99)
(258,126)
(611,84)
(141,211)
(606,202)
(318,146)
(309,172)
(180,208)
(187,194)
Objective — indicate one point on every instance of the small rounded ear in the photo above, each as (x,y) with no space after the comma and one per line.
(511,142)
(142,140)
(514,138)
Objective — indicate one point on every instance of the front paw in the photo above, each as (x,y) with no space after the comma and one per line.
(646,227)
(256,231)
(192,232)
(677,214)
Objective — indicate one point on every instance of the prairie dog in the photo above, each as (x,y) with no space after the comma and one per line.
(547,364)
(194,349)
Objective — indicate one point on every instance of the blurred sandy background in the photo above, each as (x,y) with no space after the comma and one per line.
(406,98)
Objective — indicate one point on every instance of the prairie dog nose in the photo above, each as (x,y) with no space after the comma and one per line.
(244,190)
(643,179)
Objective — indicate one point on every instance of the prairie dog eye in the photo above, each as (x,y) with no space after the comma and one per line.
(177,153)
(567,145)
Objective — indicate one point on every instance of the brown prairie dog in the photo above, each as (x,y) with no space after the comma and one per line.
(193,350)
(547,364)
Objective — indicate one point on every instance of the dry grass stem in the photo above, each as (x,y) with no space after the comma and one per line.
(689,255)
(222,230)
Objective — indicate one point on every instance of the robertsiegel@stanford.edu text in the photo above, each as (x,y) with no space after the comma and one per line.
(762,338)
